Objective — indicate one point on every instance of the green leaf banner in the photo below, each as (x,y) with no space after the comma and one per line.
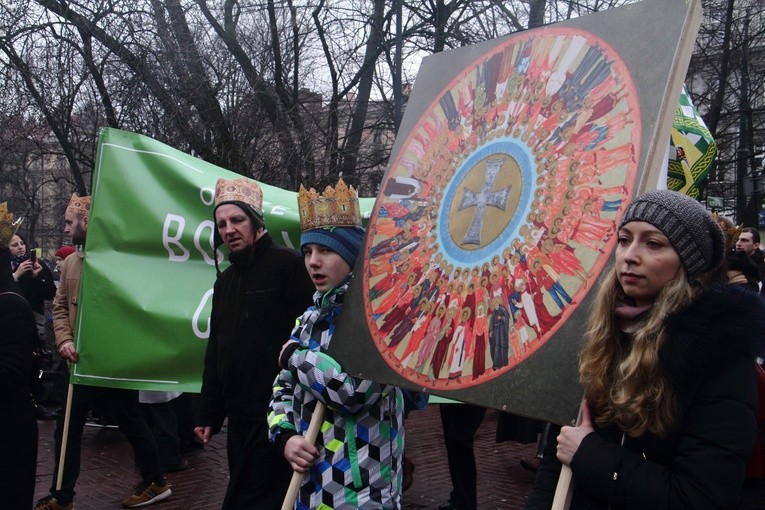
(145,296)
(692,150)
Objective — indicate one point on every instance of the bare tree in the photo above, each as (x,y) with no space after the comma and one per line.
(285,92)
(727,82)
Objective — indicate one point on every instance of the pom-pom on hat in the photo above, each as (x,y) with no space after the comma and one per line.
(243,193)
(79,205)
(691,229)
(64,251)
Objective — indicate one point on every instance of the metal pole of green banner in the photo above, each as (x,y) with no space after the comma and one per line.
(313,431)
(64,437)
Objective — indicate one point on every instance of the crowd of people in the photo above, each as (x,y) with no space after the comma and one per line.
(668,368)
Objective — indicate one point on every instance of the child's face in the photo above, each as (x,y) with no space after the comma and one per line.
(326,267)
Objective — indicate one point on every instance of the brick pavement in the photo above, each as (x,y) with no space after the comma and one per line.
(108,474)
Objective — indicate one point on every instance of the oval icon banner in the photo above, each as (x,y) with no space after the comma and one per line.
(500,208)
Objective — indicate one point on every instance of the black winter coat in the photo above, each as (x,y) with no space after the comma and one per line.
(759,259)
(38,288)
(709,357)
(18,428)
(255,303)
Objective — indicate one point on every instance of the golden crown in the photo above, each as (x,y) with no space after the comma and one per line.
(336,207)
(731,231)
(78,205)
(8,225)
(239,190)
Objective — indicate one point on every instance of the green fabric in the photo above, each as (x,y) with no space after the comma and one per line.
(691,133)
(147,281)
(350,439)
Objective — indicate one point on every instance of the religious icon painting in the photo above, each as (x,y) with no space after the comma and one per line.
(500,208)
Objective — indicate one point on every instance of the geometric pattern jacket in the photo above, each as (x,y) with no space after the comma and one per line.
(361,440)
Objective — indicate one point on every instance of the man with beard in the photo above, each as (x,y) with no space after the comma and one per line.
(153,487)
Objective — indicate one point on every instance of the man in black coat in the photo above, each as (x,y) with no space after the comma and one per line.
(255,303)
(749,242)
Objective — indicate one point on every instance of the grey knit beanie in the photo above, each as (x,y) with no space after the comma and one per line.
(693,232)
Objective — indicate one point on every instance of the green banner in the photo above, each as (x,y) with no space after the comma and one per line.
(692,149)
(145,296)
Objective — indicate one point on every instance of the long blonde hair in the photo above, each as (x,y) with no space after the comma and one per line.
(623,381)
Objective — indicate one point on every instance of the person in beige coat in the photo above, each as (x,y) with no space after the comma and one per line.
(153,487)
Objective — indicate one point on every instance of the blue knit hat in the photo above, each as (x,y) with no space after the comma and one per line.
(346,241)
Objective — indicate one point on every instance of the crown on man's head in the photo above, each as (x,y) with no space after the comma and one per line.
(336,207)
(239,190)
(8,225)
(78,205)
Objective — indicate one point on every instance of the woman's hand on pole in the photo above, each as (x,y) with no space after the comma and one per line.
(571,437)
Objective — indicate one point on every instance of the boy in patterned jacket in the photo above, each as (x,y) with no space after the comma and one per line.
(357,459)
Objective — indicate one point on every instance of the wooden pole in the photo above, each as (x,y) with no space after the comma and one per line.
(662,132)
(656,160)
(565,489)
(64,437)
(313,431)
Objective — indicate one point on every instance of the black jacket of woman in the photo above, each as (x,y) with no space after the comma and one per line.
(38,288)
(18,428)
(709,357)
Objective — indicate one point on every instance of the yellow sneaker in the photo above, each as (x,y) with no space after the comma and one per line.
(147,494)
(51,503)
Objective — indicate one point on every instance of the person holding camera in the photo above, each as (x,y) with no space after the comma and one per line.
(34,278)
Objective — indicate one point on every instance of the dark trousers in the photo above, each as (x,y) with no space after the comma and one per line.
(130,420)
(460,423)
(259,473)
(185,408)
(18,450)
(163,424)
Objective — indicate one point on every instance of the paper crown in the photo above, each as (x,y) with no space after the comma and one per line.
(239,190)
(78,205)
(8,224)
(731,231)
(336,207)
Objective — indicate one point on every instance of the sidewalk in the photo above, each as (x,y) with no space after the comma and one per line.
(108,474)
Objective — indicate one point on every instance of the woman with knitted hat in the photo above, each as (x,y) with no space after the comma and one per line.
(667,367)
(357,459)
